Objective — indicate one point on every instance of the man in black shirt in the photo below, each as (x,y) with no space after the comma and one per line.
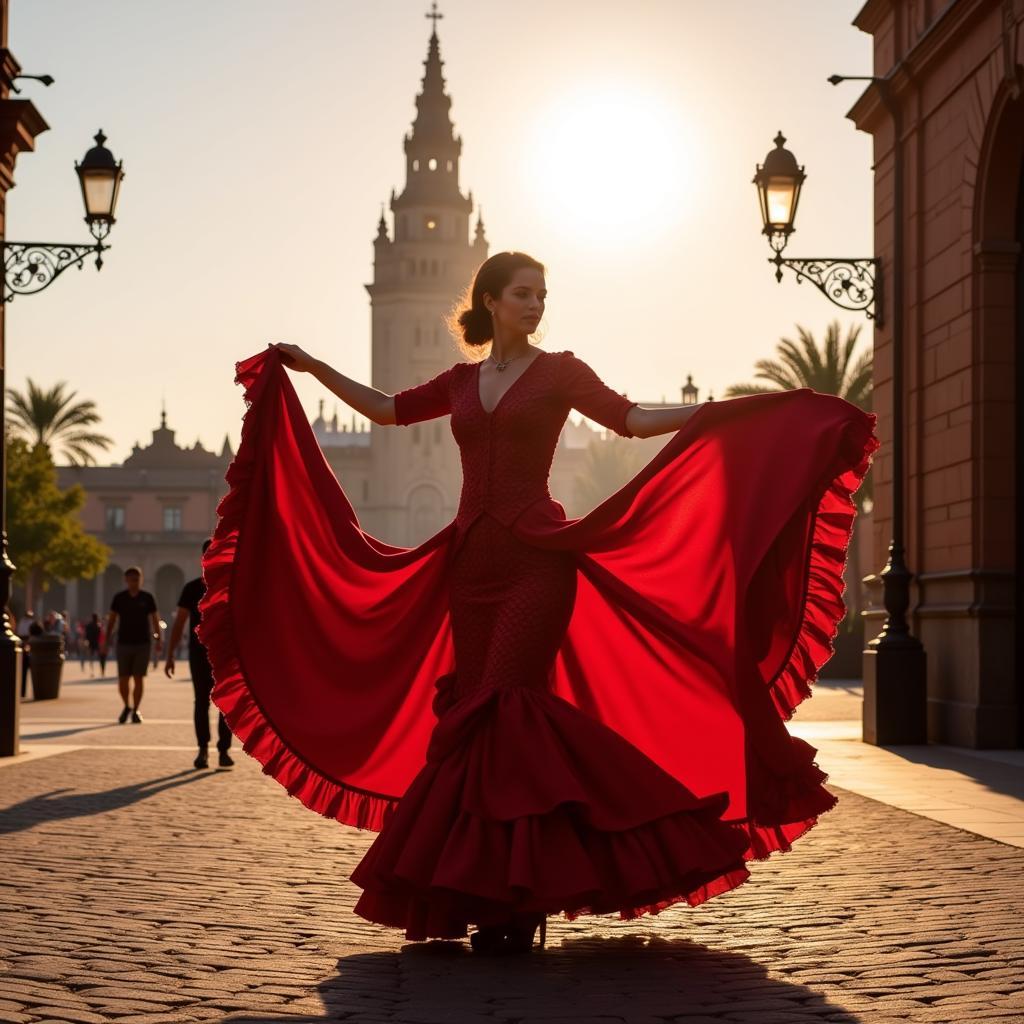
(138,624)
(202,677)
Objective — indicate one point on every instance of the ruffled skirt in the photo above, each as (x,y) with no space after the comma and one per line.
(526,803)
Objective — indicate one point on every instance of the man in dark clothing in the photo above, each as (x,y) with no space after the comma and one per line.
(138,624)
(202,678)
(93,631)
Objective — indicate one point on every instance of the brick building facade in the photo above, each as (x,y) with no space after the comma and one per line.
(951,75)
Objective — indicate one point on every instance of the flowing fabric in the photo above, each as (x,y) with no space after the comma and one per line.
(651,761)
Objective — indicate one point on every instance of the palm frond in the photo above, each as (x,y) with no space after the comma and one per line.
(55,419)
(737,390)
(768,369)
(828,369)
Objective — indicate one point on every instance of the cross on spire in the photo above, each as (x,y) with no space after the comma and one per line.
(434,15)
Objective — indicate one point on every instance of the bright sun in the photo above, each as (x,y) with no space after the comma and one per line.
(611,164)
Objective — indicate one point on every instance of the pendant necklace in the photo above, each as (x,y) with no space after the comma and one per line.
(503,365)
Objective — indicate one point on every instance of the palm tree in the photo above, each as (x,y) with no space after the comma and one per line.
(54,419)
(803,366)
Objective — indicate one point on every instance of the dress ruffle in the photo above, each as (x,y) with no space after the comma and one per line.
(823,606)
(527,805)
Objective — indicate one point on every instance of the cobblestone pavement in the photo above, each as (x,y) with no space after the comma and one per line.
(140,891)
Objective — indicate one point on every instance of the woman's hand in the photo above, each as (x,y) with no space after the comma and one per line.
(294,357)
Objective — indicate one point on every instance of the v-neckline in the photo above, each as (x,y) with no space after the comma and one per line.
(479,401)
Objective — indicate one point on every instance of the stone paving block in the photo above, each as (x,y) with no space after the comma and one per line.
(73,1016)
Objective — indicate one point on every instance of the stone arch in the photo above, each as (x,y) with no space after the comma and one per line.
(997,221)
(167,586)
(425,505)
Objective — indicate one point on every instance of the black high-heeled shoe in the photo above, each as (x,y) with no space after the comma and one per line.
(489,940)
(521,930)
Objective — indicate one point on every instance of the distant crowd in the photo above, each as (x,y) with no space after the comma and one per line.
(84,640)
(134,632)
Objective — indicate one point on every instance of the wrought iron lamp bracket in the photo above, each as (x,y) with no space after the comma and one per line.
(852,284)
(30,267)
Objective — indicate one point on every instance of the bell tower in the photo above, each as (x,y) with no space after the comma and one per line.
(421,264)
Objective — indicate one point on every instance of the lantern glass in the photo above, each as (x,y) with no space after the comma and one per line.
(99,192)
(780,201)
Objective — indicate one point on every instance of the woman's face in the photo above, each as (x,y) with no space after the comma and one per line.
(521,305)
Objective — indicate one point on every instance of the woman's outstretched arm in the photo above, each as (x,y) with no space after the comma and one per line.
(373,404)
(643,422)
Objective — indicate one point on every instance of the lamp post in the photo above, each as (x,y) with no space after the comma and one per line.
(30,267)
(895,686)
(854,284)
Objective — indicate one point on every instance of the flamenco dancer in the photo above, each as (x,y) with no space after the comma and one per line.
(538,715)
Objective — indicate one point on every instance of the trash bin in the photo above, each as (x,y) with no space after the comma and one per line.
(47,653)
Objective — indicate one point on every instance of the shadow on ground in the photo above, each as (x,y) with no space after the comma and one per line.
(1003,777)
(633,978)
(60,804)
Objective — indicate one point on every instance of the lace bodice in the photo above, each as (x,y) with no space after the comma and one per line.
(507,453)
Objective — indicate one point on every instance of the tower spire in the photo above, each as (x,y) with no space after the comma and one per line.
(432,148)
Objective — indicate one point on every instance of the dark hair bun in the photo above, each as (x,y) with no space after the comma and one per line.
(476,326)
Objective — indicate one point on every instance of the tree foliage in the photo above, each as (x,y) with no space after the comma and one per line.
(608,465)
(53,418)
(44,536)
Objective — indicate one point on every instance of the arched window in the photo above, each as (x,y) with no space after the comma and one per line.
(415,165)
(450,165)
(432,164)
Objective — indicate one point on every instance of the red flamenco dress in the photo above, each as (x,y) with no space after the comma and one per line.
(540,714)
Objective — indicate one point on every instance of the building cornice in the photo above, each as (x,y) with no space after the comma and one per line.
(947,30)
(20,123)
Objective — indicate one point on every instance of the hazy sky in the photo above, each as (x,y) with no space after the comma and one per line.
(260,138)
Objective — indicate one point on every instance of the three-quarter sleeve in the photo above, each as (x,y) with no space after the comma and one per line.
(588,394)
(425,401)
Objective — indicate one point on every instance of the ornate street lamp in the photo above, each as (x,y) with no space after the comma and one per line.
(100,177)
(853,284)
(29,267)
(779,180)
(689,391)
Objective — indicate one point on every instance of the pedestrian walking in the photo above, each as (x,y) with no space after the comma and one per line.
(92,631)
(202,677)
(134,612)
(102,652)
(539,715)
